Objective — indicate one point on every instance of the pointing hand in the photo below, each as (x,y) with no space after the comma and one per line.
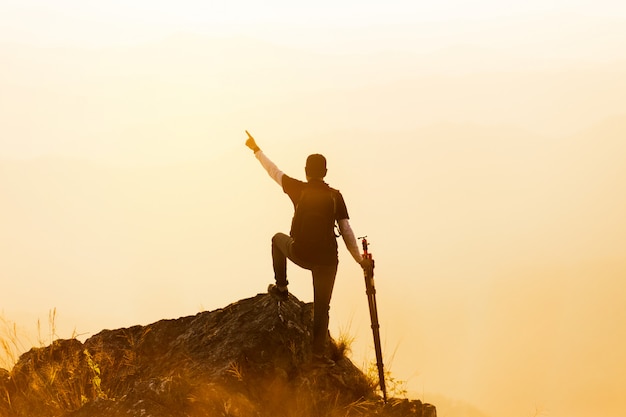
(251,143)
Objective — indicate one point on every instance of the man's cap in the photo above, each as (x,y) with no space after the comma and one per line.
(315,166)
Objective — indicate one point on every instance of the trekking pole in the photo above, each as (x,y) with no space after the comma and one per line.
(371,300)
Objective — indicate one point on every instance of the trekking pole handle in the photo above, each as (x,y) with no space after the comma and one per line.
(369,272)
(365,245)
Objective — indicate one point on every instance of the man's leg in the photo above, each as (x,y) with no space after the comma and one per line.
(280,250)
(323,282)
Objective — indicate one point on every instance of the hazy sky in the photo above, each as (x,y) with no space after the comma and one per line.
(479,145)
(116,22)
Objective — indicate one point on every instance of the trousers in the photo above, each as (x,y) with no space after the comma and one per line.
(323,283)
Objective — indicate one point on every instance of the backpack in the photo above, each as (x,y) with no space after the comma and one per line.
(313,224)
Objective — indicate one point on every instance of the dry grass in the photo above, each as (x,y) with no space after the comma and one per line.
(14,341)
(12,344)
(51,380)
(343,345)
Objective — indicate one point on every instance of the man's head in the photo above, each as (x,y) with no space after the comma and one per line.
(315,166)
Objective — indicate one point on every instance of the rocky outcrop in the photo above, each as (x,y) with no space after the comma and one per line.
(251,358)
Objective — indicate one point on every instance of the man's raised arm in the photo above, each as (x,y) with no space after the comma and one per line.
(271,168)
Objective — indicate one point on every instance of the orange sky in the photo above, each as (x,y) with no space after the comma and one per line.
(480,148)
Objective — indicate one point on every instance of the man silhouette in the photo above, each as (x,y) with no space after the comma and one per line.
(320,256)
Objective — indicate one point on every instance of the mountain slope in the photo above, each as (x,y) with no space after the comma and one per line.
(251,358)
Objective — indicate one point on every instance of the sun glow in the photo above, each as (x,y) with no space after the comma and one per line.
(479,145)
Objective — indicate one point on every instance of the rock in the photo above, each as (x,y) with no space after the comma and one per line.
(251,358)
(5,379)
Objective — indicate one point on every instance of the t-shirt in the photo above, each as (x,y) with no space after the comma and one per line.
(324,254)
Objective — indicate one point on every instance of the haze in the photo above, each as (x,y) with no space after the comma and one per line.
(480,147)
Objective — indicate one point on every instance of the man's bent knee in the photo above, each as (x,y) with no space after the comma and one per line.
(280,239)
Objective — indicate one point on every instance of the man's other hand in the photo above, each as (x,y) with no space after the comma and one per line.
(368,266)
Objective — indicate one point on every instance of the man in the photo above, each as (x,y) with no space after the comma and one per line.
(317,254)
